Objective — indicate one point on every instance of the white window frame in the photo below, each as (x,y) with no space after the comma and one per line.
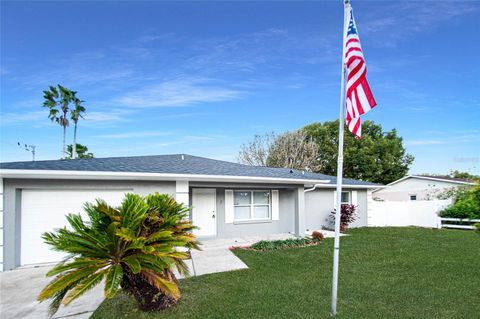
(349,198)
(252,205)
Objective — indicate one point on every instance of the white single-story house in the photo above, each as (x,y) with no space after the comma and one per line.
(229,200)
(418,187)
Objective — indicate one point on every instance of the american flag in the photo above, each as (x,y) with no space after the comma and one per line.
(359,96)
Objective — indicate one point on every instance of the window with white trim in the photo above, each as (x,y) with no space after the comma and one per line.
(251,205)
(345,198)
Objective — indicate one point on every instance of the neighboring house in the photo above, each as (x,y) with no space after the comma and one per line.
(228,199)
(418,187)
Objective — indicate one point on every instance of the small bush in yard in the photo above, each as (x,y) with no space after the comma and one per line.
(282,244)
(318,235)
(131,248)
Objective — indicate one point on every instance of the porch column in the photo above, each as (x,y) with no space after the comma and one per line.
(300,212)
(181,192)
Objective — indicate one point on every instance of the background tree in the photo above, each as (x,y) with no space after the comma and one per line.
(58,102)
(75,115)
(255,153)
(378,157)
(81,151)
(294,150)
(464,175)
(454,174)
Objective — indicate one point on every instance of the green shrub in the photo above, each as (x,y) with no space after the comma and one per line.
(466,208)
(466,205)
(282,244)
(133,247)
(478,227)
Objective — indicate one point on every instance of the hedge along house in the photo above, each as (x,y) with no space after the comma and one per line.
(228,200)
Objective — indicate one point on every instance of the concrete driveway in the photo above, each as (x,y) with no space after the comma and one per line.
(19,288)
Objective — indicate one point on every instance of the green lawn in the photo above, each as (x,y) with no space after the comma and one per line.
(384,273)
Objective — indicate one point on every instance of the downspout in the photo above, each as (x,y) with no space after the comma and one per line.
(313,188)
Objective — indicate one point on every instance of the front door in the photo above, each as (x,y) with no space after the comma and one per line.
(204,213)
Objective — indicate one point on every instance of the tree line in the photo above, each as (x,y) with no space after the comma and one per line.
(379,157)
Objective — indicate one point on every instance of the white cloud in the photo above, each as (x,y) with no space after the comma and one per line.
(105,119)
(134,134)
(40,118)
(178,92)
(15,118)
(269,48)
(100,116)
(404,19)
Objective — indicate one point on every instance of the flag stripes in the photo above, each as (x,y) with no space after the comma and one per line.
(359,97)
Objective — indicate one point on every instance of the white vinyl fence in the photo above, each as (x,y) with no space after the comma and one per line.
(407,213)
(459,223)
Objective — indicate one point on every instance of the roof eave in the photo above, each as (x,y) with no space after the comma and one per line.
(102,175)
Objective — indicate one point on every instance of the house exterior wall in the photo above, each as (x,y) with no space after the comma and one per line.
(424,189)
(297,211)
(286,222)
(12,208)
(320,202)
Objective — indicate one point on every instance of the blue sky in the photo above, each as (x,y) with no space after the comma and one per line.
(204,77)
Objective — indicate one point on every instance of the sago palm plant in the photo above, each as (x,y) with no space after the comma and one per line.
(134,247)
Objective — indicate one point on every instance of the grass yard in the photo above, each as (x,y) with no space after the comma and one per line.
(384,273)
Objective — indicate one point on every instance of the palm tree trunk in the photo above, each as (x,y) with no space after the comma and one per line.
(148,297)
(64,141)
(74,145)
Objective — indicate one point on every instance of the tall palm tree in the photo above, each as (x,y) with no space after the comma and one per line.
(75,115)
(58,102)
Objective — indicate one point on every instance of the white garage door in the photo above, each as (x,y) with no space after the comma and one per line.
(44,210)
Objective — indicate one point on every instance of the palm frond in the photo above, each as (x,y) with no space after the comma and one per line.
(64,280)
(77,263)
(57,300)
(113,280)
(159,235)
(182,267)
(133,263)
(83,286)
(167,287)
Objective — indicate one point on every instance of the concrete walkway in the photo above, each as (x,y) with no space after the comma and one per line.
(20,288)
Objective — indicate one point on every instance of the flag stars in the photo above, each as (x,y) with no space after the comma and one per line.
(352,29)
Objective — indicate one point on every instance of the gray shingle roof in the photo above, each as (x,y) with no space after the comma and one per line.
(173,164)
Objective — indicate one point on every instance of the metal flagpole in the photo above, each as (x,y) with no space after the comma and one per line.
(336,245)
